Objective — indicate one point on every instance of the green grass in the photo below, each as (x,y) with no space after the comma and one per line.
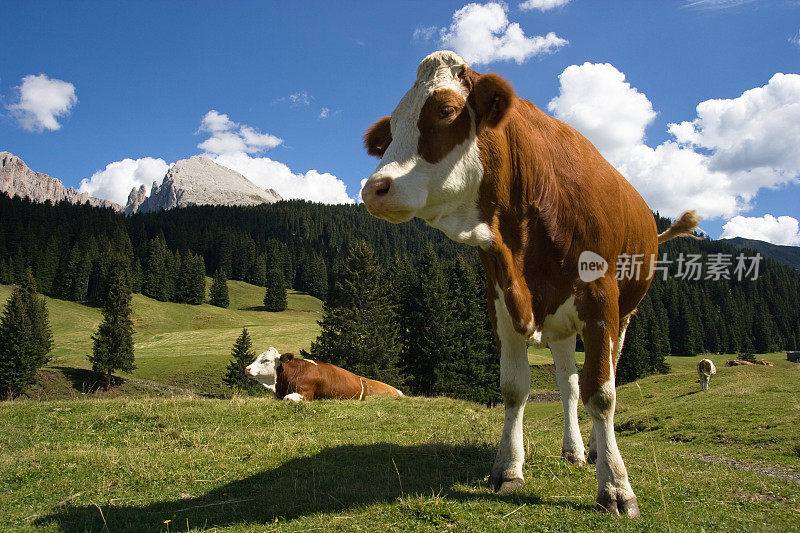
(409,464)
(186,345)
(697,460)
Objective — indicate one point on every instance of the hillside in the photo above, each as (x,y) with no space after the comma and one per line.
(724,460)
(184,345)
(788,255)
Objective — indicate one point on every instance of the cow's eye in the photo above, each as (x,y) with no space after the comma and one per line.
(446,111)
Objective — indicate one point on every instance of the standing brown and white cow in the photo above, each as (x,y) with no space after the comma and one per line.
(705,369)
(489,169)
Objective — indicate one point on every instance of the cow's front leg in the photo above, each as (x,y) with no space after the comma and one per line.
(515,384)
(602,338)
(563,352)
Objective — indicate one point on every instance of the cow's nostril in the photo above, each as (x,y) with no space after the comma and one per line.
(383,190)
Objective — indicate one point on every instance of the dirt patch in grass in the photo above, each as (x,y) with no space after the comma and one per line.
(63,383)
(773,471)
(544,397)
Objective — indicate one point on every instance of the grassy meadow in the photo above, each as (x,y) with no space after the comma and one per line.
(150,460)
(725,460)
(185,345)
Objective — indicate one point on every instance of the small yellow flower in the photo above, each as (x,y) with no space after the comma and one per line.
(276,519)
(167,521)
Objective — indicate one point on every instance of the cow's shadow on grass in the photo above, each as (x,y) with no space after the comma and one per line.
(333,480)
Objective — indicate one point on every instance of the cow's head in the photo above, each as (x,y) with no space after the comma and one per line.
(430,162)
(265,367)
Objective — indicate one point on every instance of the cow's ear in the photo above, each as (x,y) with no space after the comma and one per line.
(378,137)
(492,97)
(286,357)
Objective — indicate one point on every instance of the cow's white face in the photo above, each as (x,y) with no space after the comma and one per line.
(430,161)
(265,368)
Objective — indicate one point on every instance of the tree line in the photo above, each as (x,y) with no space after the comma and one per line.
(420,325)
(71,249)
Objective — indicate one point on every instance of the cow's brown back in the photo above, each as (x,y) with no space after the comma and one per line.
(318,380)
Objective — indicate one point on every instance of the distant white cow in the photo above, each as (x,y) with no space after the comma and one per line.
(705,369)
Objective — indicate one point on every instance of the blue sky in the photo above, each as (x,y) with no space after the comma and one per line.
(113,92)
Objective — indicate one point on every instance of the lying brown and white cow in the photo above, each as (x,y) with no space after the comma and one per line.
(738,362)
(464,153)
(705,369)
(295,379)
(765,362)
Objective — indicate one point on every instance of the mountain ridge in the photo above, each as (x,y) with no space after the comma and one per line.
(198,181)
(787,255)
(16,178)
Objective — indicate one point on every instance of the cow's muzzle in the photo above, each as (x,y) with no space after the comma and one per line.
(376,191)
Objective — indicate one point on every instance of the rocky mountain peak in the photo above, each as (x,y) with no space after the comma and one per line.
(17,179)
(199,181)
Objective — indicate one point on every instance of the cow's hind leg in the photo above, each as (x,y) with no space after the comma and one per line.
(591,456)
(515,384)
(293,397)
(601,336)
(567,379)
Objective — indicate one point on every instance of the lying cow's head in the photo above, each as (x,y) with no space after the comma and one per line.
(430,161)
(265,367)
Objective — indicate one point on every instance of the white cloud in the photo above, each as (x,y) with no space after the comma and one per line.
(314,186)
(481,33)
(324,112)
(301,98)
(228,136)
(758,130)
(117,179)
(782,230)
(716,163)
(231,145)
(425,32)
(715,4)
(596,99)
(795,39)
(542,5)
(42,101)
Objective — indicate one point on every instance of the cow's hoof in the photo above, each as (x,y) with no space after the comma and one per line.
(591,457)
(505,485)
(618,502)
(576,458)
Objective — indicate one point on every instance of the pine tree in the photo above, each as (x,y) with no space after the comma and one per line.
(241,356)
(430,336)
(258,275)
(41,341)
(155,283)
(763,330)
(16,370)
(471,372)
(136,276)
(634,360)
(112,348)
(197,286)
(191,287)
(218,295)
(275,295)
(359,328)
(314,276)
(25,338)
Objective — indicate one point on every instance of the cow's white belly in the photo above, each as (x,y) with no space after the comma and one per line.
(557,326)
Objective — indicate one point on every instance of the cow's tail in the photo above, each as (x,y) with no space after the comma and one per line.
(683,226)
